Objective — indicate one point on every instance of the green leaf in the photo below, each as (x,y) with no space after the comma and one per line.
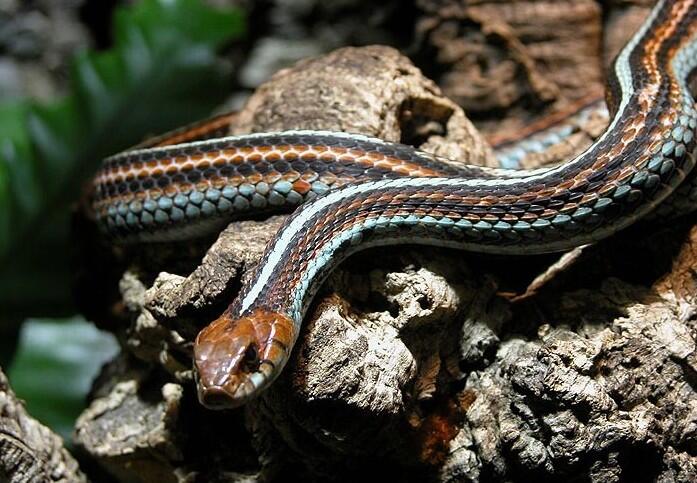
(164,70)
(190,18)
(54,366)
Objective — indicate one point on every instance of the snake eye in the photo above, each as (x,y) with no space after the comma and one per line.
(250,361)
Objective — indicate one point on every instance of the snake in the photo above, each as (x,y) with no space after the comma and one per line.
(348,192)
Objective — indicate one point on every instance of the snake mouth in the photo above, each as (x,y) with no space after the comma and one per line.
(235,359)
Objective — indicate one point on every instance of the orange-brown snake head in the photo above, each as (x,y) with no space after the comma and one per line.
(236,359)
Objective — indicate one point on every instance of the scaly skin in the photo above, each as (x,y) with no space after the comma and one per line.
(366,192)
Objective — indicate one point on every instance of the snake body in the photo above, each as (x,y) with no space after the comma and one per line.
(365,192)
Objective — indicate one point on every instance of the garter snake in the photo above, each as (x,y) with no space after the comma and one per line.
(365,192)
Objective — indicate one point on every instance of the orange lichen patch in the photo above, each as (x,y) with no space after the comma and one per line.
(435,431)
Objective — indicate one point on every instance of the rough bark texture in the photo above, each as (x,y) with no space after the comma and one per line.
(29,451)
(374,91)
(425,364)
(511,55)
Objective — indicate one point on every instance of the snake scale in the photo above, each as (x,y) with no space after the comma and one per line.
(363,192)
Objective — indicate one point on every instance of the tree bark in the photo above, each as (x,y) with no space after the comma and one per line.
(419,363)
(29,451)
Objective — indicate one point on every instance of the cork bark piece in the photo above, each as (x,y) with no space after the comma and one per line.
(29,451)
(528,58)
(372,90)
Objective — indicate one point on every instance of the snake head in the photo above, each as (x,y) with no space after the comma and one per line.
(235,359)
